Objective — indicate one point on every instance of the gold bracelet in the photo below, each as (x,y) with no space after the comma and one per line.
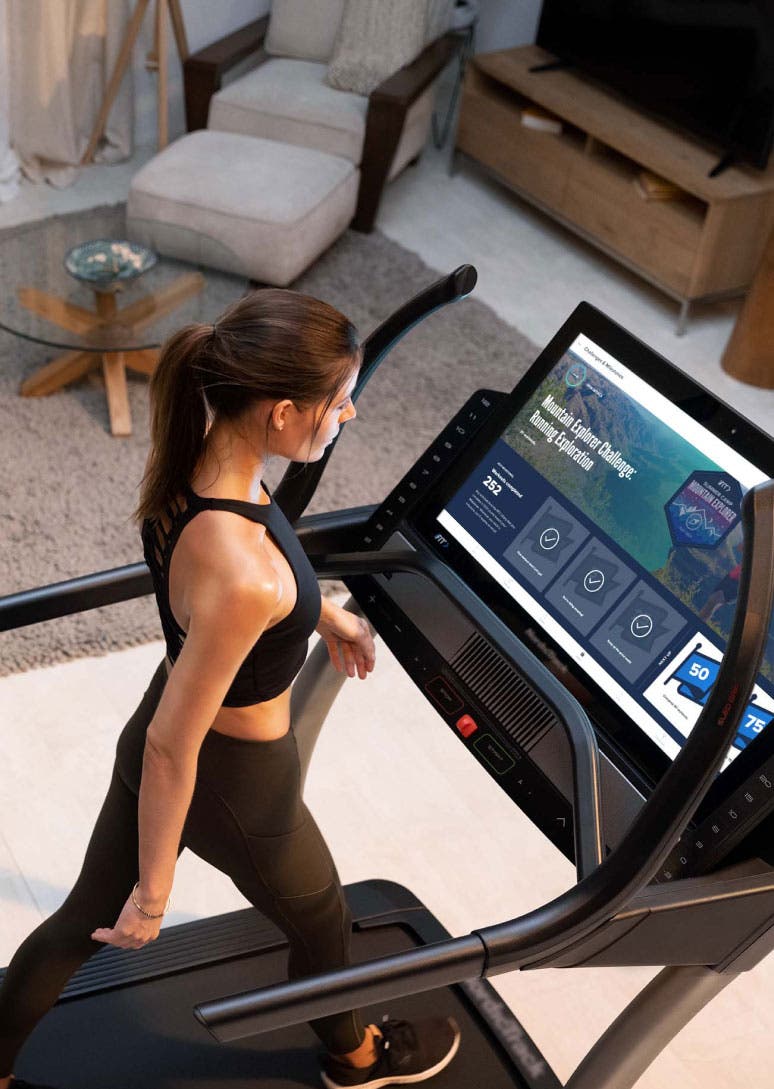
(147,914)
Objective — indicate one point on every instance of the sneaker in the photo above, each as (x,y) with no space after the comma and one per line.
(407,1052)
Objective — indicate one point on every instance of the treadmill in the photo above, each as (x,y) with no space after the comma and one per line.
(578,575)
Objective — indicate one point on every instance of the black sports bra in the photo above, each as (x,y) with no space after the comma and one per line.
(279,653)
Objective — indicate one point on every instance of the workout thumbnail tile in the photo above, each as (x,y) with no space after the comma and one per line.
(590,586)
(546,544)
(637,631)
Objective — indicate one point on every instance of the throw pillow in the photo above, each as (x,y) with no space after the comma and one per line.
(305,29)
(375,39)
(439,17)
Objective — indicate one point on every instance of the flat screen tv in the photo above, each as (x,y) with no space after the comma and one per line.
(706,66)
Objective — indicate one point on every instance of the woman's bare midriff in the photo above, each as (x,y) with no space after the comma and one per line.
(260,722)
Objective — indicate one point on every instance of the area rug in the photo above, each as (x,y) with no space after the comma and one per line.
(67,487)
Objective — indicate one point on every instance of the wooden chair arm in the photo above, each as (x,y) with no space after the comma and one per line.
(203,71)
(388,105)
(407,84)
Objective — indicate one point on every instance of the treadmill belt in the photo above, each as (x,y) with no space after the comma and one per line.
(144,1035)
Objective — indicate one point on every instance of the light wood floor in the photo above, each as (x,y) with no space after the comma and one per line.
(393,791)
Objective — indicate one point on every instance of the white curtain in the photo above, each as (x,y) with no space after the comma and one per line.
(62,54)
(9,164)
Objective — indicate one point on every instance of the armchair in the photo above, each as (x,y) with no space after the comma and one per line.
(381,133)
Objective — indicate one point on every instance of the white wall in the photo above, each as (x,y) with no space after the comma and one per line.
(505,23)
(205,22)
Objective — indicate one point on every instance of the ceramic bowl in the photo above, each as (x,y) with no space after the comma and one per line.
(106,263)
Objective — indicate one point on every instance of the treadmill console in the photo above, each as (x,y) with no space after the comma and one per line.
(595,511)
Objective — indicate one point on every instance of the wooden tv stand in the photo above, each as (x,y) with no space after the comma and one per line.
(703,245)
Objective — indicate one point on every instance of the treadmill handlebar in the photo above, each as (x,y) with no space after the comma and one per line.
(74,595)
(92,591)
(379,980)
(596,898)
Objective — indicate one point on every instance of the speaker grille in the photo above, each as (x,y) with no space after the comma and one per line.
(512,702)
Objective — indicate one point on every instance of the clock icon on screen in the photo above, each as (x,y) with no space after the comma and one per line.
(575,375)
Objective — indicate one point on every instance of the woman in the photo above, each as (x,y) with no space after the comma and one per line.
(209,760)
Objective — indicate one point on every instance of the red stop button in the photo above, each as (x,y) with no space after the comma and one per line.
(467,725)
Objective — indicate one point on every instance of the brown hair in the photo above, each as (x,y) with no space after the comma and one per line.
(272,344)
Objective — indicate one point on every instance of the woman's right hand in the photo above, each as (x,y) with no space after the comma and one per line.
(132,930)
(348,638)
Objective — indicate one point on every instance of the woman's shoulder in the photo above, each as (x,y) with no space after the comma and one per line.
(224,568)
(225,545)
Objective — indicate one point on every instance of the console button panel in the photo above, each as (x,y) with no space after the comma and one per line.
(436,459)
(703,846)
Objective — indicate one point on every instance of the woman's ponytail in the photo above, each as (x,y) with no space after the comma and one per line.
(178,418)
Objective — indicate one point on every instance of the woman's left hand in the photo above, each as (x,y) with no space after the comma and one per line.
(349,640)
(132,930)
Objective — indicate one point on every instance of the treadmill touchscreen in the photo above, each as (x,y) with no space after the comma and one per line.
(612,518)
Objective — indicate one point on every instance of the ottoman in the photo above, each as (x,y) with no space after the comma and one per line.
(259,208)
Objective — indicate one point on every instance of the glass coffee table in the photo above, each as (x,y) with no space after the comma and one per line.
(92,329)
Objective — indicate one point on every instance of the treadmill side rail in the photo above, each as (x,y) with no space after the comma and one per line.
(424,969)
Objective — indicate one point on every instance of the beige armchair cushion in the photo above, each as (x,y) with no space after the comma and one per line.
(289,100)
(439,17)
(303,28)
(376,38)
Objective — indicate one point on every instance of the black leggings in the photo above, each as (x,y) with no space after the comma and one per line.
(247,818)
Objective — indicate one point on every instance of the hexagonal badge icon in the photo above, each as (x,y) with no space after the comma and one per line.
(704,509)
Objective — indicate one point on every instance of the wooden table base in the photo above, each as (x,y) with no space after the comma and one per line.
(131,319)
